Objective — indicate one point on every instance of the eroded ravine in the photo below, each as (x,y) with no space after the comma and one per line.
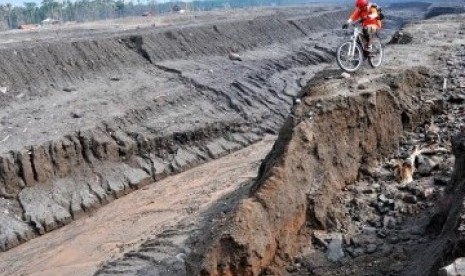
(173,205)
(140,114)
(56,182)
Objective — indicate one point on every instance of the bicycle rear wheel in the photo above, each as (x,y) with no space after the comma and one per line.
(348,57)
(375,58)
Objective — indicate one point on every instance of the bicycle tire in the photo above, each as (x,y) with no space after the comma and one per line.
(378,48)
(358,52)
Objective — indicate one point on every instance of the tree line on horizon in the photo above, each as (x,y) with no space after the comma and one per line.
(91,10)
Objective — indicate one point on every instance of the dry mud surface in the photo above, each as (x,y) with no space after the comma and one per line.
(96,115)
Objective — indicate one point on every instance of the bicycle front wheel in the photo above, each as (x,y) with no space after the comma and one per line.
(349,56)
(375,58)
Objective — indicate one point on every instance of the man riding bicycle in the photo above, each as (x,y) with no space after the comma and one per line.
(368,14)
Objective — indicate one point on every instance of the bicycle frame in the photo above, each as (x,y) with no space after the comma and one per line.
(356,38)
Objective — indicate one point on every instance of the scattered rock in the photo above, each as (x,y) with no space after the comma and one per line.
(345,75)
(3,89)
(441,180)
(401,37)
(77,114)
(115,78)
(234,56)
(382,198)
(369,230)
(362,86)
(425,165)
(181,256)
(371,248)
(457,268)
(322,237)
(389,222)
(412,199)
(427,193)
(69,89)
(335,252)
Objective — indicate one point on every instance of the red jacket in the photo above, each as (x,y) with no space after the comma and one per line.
(369,17)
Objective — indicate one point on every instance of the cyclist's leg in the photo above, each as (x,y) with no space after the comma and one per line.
(369,32)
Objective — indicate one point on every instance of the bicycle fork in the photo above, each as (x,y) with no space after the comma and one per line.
(352,48)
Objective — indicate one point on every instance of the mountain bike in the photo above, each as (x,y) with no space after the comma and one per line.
(351,54)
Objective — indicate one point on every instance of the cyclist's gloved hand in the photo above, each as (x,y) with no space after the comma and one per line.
(345,26)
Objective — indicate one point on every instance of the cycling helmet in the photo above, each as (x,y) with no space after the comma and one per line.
(361,3)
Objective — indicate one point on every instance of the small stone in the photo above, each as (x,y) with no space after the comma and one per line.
(69,89)
(441,181)
(426,165)
(382,198)
(234,56)
(368,230)
(455,269)
(115,79)
(410,199)
(389,222)
(345,75)
(362,86)
(77,114)
(371,248)
(382,234)
(427,193)
(335,252)
(181,256)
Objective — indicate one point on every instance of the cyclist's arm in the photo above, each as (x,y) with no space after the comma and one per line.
(354,17)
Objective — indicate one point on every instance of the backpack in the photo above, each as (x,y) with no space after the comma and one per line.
(380,11)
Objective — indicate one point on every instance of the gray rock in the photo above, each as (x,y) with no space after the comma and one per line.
(389,222)
(369,230)
(425,165)
(371,248)
(234,56)
(345,75)
(181,256)
(455,269)
(410,199)
(335,252)
(441,180)
(77,114)
(69,89)
(383,198)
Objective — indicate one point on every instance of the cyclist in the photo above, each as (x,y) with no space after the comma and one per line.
(368,14)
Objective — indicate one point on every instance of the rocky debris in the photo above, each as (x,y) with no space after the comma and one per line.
(345,75)
(457,268)
(234,56)
(401,37)
(335,252)
(69,89)
(77,114)
(297,156)
(382,213)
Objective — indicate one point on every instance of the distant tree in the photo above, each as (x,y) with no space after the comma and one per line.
(30,9)
(120,7)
